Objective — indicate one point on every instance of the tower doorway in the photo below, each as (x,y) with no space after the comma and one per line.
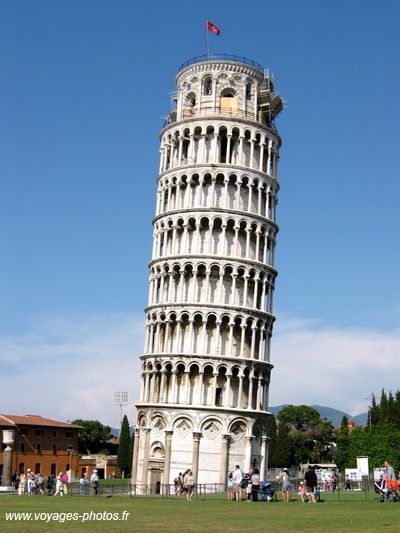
(155,480)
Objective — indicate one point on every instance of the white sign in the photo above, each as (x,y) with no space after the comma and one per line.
(363,465)
(353,474)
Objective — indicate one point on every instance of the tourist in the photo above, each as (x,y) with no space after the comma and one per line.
(311,481)
(30,477)
(255,484)
(286,487)
(302,491)
(176,485)
(189,485)
(59,485)
(39,483)
(180,483)
(246,485)
(50,484)
(21,485)
(237,480)
(94,480)
(185,476)
(334,482)
(230,487)
(389,471)
(83,485)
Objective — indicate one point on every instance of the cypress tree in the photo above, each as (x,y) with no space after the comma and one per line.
(390,409)
(283,452)
(373,413)
(123,447)
(271,432)
(383,408)
(344,424)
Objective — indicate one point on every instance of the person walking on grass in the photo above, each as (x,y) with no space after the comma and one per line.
(189,485)
(59,485)
(21,485)
(237,480)
(255,484)
(94,480)
(230,487)
(286,487)
(39,483)
(311,481)
(302,491)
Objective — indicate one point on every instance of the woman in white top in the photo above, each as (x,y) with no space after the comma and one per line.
(255,484)
(59,485)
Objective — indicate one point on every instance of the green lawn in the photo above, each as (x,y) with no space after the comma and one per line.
(213,514)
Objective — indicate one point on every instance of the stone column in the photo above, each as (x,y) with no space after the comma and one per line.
(263,453)
(265,456)
(247,453)
(135,457)
(167,459)
(195,455)
(224,460)
(250,196)
(8,440)
(145,469)
(214,389)
(250,397)
(240,394)
(228,390)
(228,149)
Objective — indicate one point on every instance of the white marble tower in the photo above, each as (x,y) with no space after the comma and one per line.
(206,363)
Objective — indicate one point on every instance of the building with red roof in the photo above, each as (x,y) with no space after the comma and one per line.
(41,444)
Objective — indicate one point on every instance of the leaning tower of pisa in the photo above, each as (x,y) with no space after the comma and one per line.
(206,363)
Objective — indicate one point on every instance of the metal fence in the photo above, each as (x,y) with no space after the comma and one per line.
(208,111)
(357,492)
(221,57)
(157,489)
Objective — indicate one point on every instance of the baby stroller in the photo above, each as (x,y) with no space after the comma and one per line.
(387,491)
(267,492)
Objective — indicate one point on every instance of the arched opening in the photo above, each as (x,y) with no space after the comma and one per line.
(229,102)
(207,86)
(223,144)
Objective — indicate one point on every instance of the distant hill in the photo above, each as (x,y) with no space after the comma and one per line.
(334,415)
(115,432)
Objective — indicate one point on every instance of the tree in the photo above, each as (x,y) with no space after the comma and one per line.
(344,423)
(123,447)
(282,454)
(311,435)
(343,445)
(272,434)
(383,408)
(93,437)
(373,413)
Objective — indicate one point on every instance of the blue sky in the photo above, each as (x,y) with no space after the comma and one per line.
(84,88)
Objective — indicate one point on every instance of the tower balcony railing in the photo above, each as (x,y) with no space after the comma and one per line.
(221,57)
(262,117)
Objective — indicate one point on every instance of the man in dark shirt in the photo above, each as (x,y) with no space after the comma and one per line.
(311,481)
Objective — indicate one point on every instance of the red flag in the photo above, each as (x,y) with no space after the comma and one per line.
(213,28)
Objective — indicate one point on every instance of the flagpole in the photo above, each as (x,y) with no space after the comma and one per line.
(206,39)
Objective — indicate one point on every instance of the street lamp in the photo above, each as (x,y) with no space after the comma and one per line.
(120,398)
(70,451)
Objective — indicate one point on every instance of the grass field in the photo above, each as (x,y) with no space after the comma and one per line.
(214,514)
